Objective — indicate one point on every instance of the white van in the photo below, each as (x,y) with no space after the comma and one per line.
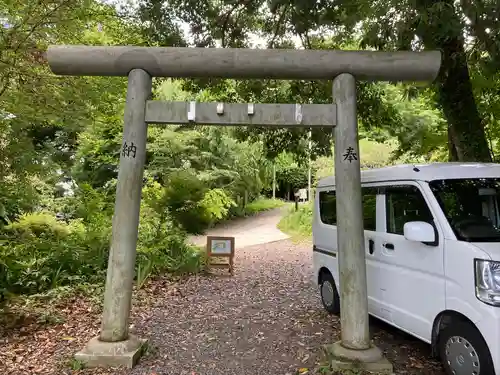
(432,242)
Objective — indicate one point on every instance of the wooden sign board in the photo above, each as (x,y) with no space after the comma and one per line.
(220,252)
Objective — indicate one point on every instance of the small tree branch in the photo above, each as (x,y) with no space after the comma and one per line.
(281,18)
(226,18)
(479,27)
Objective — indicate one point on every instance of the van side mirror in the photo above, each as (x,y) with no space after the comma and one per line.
(419,231)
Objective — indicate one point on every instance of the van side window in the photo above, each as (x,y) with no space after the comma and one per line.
(328,207)
(404,204)
(370,208)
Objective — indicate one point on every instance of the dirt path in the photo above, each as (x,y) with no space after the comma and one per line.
(254,230)
(264,320)
(267,319)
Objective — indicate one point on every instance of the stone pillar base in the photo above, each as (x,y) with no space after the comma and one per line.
(99,353)
(370,360)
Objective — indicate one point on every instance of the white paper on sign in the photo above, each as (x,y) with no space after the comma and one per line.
(221,247)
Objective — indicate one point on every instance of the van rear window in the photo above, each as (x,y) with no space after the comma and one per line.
(328,207)
(370,208)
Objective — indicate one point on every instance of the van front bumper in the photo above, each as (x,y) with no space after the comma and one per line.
(489,327)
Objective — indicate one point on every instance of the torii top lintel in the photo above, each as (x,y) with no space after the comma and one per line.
(242,63)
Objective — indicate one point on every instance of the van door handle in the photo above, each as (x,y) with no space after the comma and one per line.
(389,246)
(371,246)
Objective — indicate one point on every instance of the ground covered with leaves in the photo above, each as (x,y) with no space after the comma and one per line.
(267,319)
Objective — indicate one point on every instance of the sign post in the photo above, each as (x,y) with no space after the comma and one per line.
(220,247)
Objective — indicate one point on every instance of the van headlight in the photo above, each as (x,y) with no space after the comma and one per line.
(488,281)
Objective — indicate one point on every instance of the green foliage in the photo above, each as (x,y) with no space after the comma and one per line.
(39,253)
(206,172)
(216,204)
(37,226)
(298,224)
(262,204)
(162,244)
(42,114)
(291,173)
(464,93)
(162,248)
(294,176)
(183,195)
(422,130)
(372,155)
(68,129)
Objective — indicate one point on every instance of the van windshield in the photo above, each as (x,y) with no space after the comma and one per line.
(471,207)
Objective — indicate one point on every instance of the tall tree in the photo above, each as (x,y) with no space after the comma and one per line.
(438,25)
(42,115)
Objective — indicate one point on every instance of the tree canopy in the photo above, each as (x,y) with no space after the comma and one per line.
(466,33)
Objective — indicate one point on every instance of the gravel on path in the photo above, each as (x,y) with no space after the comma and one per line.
(267,319)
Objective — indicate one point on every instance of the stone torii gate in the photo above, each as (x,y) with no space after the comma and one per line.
(114,345)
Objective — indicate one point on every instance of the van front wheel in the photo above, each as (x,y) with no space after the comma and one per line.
(463,350)
(329,294)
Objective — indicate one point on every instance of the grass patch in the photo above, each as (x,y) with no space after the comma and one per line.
(325,369)
(372,155)
(298,224)
(262,204)
(75,364)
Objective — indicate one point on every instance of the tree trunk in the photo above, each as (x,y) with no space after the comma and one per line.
(467,139)
(452,149)
(459,106)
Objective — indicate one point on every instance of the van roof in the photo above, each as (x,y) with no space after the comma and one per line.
(424,172)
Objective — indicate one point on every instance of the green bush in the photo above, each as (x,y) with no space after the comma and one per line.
(216,204)
(40,225)
(162,244)
(162,247)
(182,196)
(38,253)
(191,204)
(298,224)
